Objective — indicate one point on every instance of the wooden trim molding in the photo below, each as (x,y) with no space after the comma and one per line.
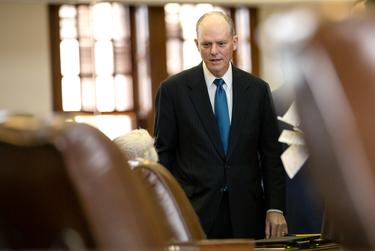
(55,56)
(253,20)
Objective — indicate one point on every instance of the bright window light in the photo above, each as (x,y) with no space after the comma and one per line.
(71,92)
(105,94)
(69,56)
(111,125)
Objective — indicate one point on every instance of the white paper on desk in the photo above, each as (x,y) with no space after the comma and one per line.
(293,158)
(291,116)
(292,137)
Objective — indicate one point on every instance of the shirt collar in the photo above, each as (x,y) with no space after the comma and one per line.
(209,77)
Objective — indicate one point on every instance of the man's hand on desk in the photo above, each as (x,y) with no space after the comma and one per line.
(275,225)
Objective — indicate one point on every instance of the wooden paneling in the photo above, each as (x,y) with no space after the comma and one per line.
(253,20)
(158,54)
(55,56)
(133,51)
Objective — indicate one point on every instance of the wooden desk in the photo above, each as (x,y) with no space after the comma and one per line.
(238,245)
(330,246)
(214,245)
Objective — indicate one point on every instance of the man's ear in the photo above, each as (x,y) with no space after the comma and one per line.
(235,41)
(196,43)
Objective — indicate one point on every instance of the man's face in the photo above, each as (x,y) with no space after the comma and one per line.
(216,44)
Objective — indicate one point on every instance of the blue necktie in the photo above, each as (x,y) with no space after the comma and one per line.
(221,112)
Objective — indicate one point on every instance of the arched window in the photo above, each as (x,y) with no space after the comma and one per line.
(94,75)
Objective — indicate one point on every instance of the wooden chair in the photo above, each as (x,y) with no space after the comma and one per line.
(67,186)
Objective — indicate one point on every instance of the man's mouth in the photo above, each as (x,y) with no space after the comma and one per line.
(215,60)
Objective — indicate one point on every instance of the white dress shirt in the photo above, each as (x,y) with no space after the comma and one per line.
(211,87)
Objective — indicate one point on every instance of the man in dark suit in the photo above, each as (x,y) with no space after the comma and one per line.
(234,179)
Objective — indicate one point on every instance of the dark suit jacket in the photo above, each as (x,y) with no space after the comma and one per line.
(188,144)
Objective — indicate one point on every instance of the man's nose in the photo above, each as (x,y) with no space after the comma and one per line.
(213,49)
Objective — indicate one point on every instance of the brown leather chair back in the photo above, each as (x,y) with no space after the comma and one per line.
(39,207)
(180,214)
(336,102)
(67,185)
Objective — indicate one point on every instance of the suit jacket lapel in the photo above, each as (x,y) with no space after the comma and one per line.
(201,102)
(240,98)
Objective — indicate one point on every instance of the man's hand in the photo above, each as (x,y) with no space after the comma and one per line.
(275,225)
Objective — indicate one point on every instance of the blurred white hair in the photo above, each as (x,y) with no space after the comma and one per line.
(137,144)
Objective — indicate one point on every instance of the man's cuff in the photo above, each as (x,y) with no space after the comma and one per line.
(275,211)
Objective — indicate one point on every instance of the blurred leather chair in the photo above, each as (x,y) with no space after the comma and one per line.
(336,101)
(181,216)
(179,213)
(67,186)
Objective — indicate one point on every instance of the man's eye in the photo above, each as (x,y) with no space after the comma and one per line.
(222,44)
(205,45)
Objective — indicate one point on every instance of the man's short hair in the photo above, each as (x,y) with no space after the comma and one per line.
(227,18)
